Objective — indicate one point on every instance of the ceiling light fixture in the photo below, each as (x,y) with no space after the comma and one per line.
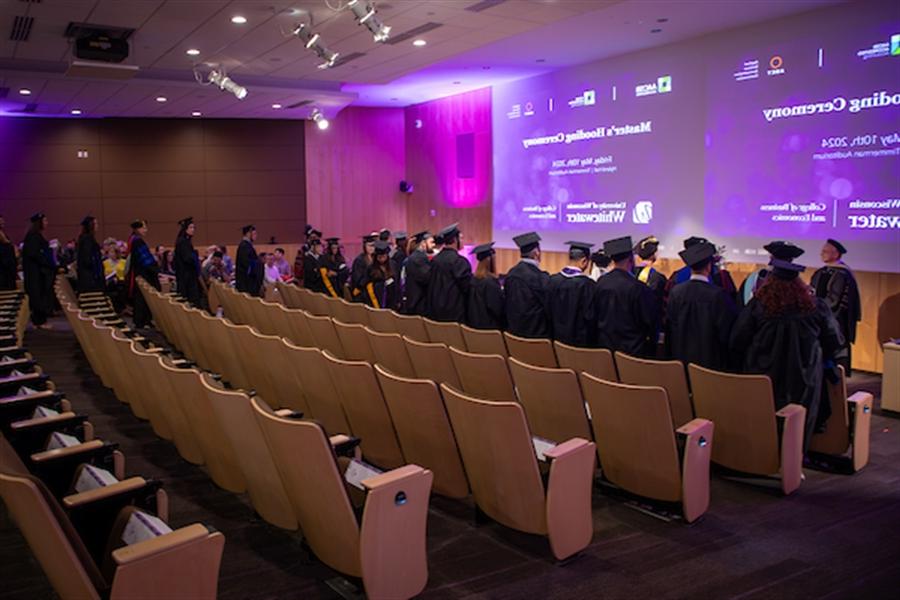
(76,111)
(312,41)
(192,52)
(276,106)
(319,119)
(218,78)
(420,43)
(365,15)
(161,98)
(196,113)
(238,19)
(25,92)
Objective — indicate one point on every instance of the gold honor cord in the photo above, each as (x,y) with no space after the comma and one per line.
(324,272)
(370,287)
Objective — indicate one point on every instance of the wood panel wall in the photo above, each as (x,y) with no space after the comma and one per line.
(224,173)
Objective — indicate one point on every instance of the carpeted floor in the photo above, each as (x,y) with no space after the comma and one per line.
(837,537)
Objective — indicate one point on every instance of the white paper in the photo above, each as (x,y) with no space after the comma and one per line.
(61,440)
(587,409)
(6,359)
(42,411)
(15,373)
(540,446)
(142,526)
(357,471)
(25,391)
(92,478)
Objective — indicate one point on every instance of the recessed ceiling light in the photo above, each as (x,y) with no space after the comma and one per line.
(161,98)
(76,111)
(25,92)
(238,19)
(394,99)
(457,82)
(192,52)
(486,68)
(420,43)
(540,60)
(662,20)
(196,113)
(657,30)
(276,106)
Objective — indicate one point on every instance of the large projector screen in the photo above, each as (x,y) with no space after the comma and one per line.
(784,130)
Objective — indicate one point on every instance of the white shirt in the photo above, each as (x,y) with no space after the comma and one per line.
(699,277)
(272,273)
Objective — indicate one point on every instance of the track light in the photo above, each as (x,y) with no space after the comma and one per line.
(319,119)
(223,82)
(311,41)
(365,14)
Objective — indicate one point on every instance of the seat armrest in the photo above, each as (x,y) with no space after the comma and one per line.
(859,407)
(44,421)
(48,455)
(568,504)
(697,436)
(792,418)
(345,445)
(101,493)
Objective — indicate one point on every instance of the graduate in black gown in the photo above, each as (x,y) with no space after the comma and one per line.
(8,263)
(787,333)
(486,307)
(571,298)
(836,285)
(39,269)
(248,269)
(415,274)
(718,277)
(333,268)
(398,254)
(141,263)
(700,314)
(526,289)
(627,311)
(647,253)
(779,249)
(88,258)
(187,263)
(312,277)
(449,280)
(382,286)
(359,271)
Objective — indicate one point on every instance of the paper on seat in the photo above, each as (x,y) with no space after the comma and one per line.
(92,478)
(357,471)
(142,526)
(541,445)
(25,391)
(61,440)
(43,411)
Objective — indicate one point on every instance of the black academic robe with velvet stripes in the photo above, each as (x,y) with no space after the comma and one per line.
(527,301)
(571,300)
(700,317)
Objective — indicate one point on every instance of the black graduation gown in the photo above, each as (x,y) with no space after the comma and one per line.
(527,303)
(791,349)
(418,270)
(359,274)
(89,265)
(312,278)
(698,329)
(836,285)
(397,260)
(141,264)
(39,269)
(187,271)
(655,280)
(719,277)
(485,309)
(333,284)
(627,314)
(8,267)
(448,286)
(571,298)
(248,271)
(382,290)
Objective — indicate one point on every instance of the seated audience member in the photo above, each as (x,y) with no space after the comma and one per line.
(270,269)
(787,333)
(214,269)
(449,279)
(208,255)
(226,261)
(114,271)
(700,314)
(382,287)
(486,307)
(719,276)
(526,289)
(778,249)
(298,264)
(167,263)
(836,285)
(281,262)
(67,254)
(158,253)
(570,298)
(333,268)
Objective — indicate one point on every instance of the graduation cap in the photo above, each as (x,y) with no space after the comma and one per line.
(37,217)
(694,240)
(247,229)
(368,239)
(837,246)
(314,233)
(308,230)
(483,251)
(138,223)
(185,222)
(783,250)
(400,235)
(618,248)
(333,240)
(784,269)
(697,255)
(315,242)
(421,236)
(382,247)
(579,249)
(647,247)
(450,232)
(527,242)
(384,235)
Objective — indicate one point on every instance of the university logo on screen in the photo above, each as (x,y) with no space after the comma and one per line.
(872,220)
(662,85)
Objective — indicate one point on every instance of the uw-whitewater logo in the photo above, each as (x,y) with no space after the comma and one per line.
(642,213)
(664,84)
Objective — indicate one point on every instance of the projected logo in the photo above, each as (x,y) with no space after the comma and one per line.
(776,66)
(881,49)
(588,98)
(895,44)
(642,213)
(662,85)
(515,112)
(529,109)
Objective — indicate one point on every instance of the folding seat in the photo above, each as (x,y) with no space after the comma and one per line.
(380,319)
(356,313)
(537,352)
(230,341)
(324,335)
(639,450)
(262,316)
(431,361)
(258,355)
(423,430)
(305,299)
(410,326)
(751,436)
(552,401)
(264,486)
(386,549)
(355,341)
(142,394)
(484,376)
(594,361)
(366,411)
(390,352)
(22,404)
(279,315)
(502,467)
(445,333)
(287,294)
(319,392)
(484,341)
(334,307)
(848,427)
(180,564)
(667,374)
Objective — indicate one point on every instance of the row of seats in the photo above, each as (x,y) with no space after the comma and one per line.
(95,532)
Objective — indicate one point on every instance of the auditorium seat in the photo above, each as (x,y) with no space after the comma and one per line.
(324,335)
(484,341)
(667,374)
(502,468)
(225,343)
(594,361)
(751,436)
(848,427)
(356,313)
(338,309)
(445,333)
(639,450)
(142,391)
(390,352)
(355,341)
(537,352)
(381,320)
(410,326)
(484,376)
(288,294)
(423,430)
(298,330)
(431,361)
(317,304)
(263,319)
(386,548)
(319,393)
(367,413)
(552,401)
(263,357)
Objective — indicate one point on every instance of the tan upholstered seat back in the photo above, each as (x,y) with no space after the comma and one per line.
(445,333)
(319,392)
(235,368)
(595,361)
(552,401)
(835,439)
(380,320)
(390,352)
(324,335)
(354,341)
(667,374)
(317,305)
(497,452)
(743,410)
(410,326)
(338,309)
(537,352)
(263,357)
(484,341)
(298,328)
(431,361)
(356,313)
(484,376)
(635,438)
